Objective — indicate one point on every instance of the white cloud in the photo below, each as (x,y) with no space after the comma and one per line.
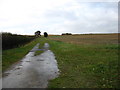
(57,16)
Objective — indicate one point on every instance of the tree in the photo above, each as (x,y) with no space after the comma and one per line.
(37,33)
(45,34)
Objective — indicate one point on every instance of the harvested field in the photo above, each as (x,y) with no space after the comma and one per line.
(88,39)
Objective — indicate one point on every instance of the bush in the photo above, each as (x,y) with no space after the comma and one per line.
(13,40)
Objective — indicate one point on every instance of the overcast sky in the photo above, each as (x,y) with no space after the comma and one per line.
(58,16)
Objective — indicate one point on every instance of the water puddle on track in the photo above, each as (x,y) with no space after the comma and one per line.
(32,71)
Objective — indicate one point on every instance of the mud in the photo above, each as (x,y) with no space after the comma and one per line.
(32,71)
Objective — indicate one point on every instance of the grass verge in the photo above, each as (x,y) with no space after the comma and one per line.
(41,41)
(13,55)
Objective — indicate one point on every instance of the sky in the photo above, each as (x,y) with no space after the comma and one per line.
(59,16)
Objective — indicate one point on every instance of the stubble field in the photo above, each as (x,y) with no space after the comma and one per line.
(88,39)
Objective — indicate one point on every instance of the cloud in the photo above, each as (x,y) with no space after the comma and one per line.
(58,16)
(86,17)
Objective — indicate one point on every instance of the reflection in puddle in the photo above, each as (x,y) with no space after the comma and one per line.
(33,71)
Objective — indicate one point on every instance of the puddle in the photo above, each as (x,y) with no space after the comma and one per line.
(33,71)
(40,60)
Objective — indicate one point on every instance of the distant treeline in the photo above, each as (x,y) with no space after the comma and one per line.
(66,33)
(10,40)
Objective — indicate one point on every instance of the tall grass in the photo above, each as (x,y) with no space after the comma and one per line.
(13,40)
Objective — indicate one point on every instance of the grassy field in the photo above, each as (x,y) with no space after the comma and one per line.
(85,61)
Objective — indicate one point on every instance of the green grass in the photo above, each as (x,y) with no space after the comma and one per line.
(81,66)
(38,52)
(85,66)
(42,41)
(12,56)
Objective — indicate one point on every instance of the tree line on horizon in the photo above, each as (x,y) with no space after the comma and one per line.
(38,33)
